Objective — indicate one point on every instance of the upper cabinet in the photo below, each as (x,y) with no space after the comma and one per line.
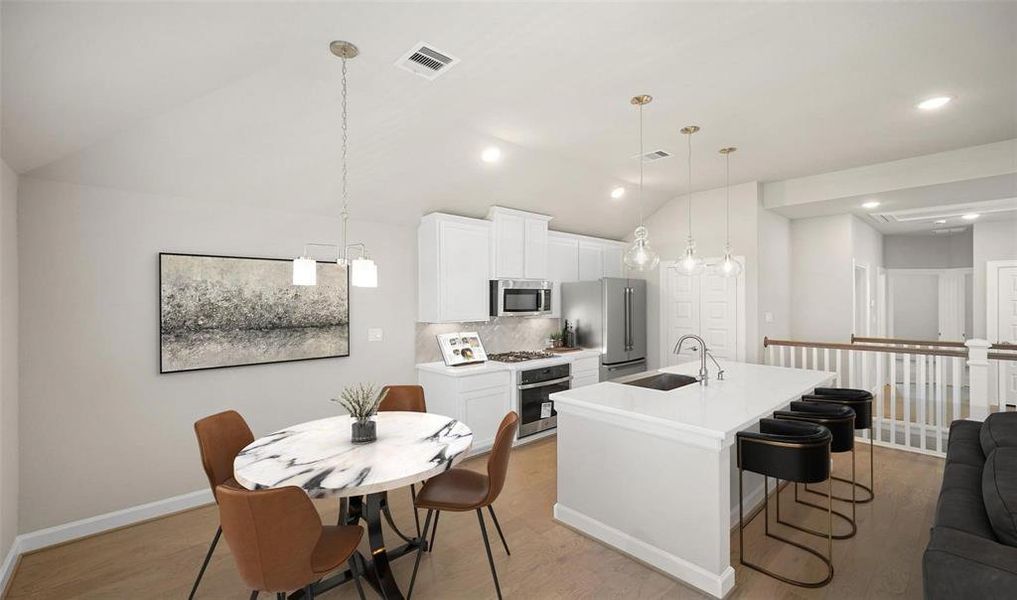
(562,257)
(453,269)
(518,244)
(599,258)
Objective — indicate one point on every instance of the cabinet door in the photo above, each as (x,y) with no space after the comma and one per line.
(579,381)
(535,249)
(482,412)
(509,238)
(464,266)
(612,258)
(591,266)
(562,258)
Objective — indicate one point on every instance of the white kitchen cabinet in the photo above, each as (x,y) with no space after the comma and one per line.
(611,257)
(480,400)
(591,261)
(518,244)
(562,257)
(453,269)
(585,371)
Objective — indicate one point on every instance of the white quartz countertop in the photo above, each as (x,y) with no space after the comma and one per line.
(492,366)
(718,410)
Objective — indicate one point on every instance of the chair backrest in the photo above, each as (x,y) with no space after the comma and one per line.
(497,461)
(220,438)
(272,534)
(408,398)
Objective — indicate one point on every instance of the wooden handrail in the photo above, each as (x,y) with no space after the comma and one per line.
(885,340)
(1002,356)
(864,348)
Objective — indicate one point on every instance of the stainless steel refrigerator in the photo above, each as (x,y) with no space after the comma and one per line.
(609,314)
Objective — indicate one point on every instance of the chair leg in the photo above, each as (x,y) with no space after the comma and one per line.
(280,596)
(308,592)
(434,532)
(416,514)
(204,565)
(494,518)
(254,594)
(356,575)
(420,552)
(487,546)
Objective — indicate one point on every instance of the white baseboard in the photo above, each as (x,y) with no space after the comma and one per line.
(35,540)
(715,585)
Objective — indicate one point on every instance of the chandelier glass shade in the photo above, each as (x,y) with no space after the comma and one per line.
(640,256)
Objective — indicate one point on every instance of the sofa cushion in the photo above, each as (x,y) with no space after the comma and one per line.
(999,431)
(964,445)
(999,492)
(960,501)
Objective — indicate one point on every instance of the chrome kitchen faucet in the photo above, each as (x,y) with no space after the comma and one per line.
(704,374)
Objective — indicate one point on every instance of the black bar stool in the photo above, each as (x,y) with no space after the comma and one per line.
(861,402)
(793,451)
(840,420)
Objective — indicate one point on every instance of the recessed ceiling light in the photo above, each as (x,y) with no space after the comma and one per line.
(491,154)
(617,192)
(871,204)
(934,103)
(940,221)
(970,216)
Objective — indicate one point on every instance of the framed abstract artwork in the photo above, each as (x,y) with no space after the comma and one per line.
(230,311)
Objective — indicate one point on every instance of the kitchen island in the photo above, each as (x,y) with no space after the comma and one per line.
(653,473)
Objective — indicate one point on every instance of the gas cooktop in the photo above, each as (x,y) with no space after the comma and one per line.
(519,356)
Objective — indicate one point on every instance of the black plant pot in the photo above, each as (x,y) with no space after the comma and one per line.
(365,431)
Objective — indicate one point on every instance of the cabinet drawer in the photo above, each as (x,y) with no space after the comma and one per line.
(586,365)
(483,381)
(579,381)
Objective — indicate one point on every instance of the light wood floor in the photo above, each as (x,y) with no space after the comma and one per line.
(159,559)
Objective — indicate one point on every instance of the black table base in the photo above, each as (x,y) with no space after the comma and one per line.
(376,571)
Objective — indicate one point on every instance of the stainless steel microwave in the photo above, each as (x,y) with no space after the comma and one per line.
(520,298)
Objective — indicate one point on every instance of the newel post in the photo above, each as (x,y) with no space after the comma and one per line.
(978,378)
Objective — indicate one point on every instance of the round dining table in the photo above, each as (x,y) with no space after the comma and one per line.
(319,457)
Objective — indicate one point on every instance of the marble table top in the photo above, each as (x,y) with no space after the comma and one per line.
(319,456)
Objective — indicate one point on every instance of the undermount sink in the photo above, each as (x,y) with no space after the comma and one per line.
(662,381)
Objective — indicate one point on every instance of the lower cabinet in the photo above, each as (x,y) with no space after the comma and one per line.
(479,400)
(585,371)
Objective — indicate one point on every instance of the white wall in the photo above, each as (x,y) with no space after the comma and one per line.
(774,275)
(668,229)
(928,251)
(821,278)
(993,240)
(8,358)
(101,429)
(867,249)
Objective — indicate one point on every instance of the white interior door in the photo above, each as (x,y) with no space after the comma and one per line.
(951,306)
(1002,321)
(705,305)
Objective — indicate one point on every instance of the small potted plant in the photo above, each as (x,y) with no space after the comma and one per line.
(556,339)
(361,401)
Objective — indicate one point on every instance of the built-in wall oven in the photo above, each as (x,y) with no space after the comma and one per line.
(520,298)
(533,390)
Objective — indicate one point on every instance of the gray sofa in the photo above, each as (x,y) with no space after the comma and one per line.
(972,552)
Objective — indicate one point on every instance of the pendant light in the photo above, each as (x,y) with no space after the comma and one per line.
(363,271)
(690,264)
(728,266)
(640,256)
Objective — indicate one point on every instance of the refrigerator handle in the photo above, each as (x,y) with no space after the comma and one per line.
(628,319)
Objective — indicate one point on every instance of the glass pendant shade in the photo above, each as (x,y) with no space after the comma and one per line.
(363,273)
(690,264)
(728,266)
(641,256)
(305,271)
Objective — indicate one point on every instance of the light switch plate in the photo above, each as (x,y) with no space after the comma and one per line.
(374,334)
(768,317)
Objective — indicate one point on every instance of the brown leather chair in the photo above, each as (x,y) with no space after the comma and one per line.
(406,398)
(220,438)
(278,541)
(461,490)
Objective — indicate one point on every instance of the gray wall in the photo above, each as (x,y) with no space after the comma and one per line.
(101,429)
(993,240)
(821,278)
(8,358)
(929,251)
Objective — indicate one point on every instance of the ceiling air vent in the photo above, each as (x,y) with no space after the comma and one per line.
(655,155)
(424,60)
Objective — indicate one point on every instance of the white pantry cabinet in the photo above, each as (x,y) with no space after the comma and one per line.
(453,269)
(518,244)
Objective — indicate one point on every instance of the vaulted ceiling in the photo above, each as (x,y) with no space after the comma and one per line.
(238,102)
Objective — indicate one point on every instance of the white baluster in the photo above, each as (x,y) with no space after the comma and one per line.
(958,379)
(906,386)
(978,378)
(939,404)
(793,352)
(815,359)
(826,359)
(782,349)
(893,398)
(922,381)
(839,367)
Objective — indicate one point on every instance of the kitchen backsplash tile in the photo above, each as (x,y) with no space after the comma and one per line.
(499,335)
